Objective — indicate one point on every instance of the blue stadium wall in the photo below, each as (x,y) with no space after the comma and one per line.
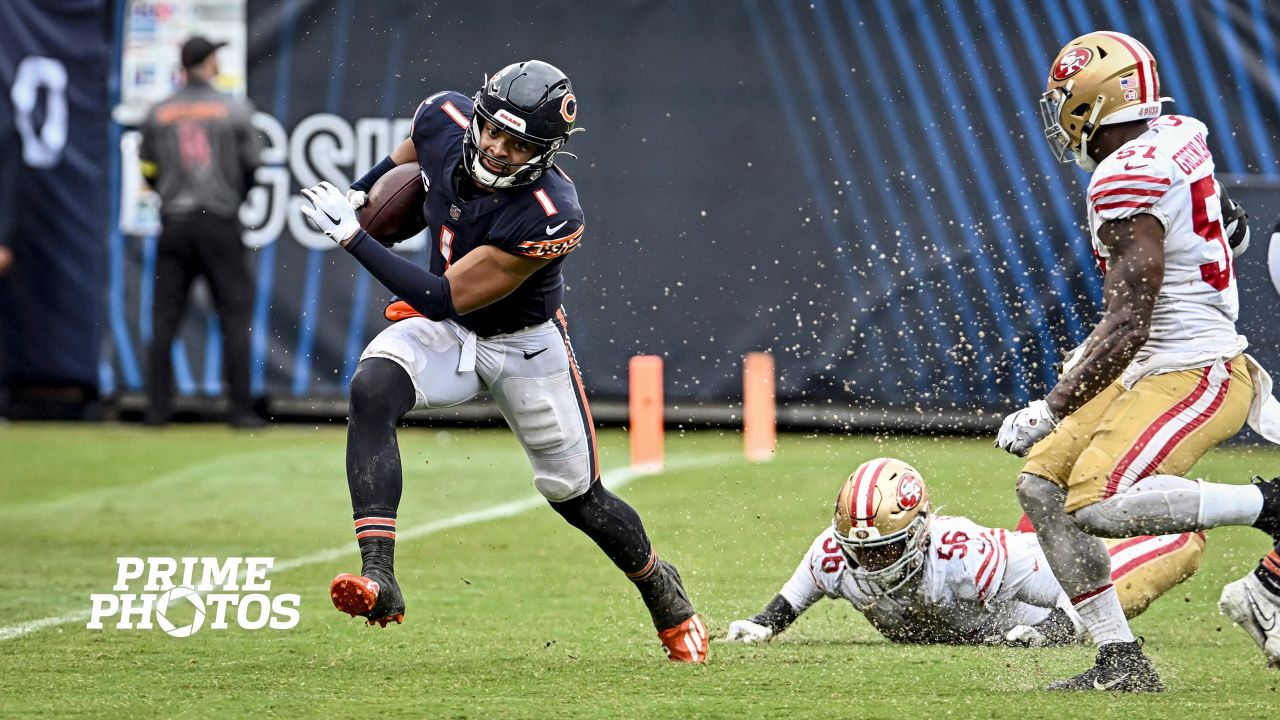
(54,114)
(860,188)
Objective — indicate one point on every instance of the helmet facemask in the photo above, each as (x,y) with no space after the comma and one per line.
(1052,104)
(889,561)
(520,174)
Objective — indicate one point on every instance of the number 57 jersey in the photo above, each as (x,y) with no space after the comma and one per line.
(1168,173)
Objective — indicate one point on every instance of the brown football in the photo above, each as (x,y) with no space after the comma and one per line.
(393,210)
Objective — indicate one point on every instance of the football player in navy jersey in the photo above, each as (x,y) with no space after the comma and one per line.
(486,316)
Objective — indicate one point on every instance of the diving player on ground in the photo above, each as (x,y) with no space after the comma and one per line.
(920,577)
(486,316)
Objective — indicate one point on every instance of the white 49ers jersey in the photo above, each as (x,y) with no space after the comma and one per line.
(977,583)
(1168,173)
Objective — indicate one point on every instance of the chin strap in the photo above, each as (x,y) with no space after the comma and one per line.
(1090,127)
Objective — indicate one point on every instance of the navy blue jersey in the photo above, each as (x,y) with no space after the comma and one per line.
(541,219)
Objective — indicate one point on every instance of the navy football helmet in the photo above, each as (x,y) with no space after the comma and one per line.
(533,101)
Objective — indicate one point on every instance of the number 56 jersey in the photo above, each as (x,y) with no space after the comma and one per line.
(1168,173)
(974,585)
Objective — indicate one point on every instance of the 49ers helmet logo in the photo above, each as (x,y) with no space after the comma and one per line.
(910,493)
(1071,62)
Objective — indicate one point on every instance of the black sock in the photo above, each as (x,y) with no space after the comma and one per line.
(1268,571)
(381,392)
(613,525)
(1269,519)
(616,528)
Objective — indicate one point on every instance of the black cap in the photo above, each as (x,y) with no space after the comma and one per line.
(197,49)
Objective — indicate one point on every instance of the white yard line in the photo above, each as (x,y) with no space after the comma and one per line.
(616,478)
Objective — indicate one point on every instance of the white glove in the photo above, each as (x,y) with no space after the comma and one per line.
(1024,428)
(746,631)
(331,213)
(1024,636)
(1071,359)
(357,198)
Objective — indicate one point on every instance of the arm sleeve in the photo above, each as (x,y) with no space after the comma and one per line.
(425,292)
(367,181)
(777,615)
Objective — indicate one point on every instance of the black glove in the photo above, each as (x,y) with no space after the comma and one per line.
(1236,223)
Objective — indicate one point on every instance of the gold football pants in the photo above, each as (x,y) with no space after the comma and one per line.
(1144,568)
(1161,426)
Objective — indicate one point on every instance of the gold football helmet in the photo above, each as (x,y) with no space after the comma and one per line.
(1102,78)
(882,522)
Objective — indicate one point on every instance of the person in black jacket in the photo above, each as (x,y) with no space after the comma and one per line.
(199,151)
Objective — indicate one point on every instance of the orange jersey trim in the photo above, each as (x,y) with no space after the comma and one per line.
(553,248)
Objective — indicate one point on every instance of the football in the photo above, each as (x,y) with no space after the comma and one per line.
(393,210)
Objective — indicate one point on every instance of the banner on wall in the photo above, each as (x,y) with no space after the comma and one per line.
(54,58)
(755,177)
(152,33)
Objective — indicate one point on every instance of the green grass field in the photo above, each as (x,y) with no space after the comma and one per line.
(520,616)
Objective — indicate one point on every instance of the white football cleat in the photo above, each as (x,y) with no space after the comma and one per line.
(1255,609)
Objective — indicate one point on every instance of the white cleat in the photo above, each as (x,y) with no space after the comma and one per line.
(1255,609)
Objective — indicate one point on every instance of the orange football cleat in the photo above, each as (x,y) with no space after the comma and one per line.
(365,597)
(686,642)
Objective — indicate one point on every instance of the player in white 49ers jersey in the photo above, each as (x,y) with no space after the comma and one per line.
(1166,173)
(925,578)
(1163,377)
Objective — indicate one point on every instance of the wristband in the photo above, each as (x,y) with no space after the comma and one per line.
(367,180)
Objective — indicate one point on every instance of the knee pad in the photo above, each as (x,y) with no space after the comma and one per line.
(1036,494)
(560,479)
(1120,516)
(1155,505)
(1099,519)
